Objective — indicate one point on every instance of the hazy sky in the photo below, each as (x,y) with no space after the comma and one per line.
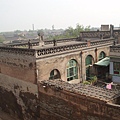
(21,14)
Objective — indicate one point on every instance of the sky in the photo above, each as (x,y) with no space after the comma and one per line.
(21,14)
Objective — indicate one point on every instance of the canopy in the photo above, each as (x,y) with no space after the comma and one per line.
(104,62)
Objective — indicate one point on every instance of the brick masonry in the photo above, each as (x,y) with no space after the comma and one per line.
(18,65)
(18,98)
(58,101)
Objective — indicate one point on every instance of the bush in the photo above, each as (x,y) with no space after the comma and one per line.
(91,81)
(86,82)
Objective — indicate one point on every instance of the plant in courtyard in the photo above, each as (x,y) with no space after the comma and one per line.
(86,82)
(92,81)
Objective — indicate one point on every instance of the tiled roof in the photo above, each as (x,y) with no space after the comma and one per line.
(87,90)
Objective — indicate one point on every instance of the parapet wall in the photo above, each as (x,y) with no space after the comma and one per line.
(18,63)
(45,52)
(97,34)
(62,101)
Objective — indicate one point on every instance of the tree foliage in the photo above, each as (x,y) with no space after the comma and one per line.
(40,32)
(70,32)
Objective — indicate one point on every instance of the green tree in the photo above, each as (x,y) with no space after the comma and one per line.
(87,28)
(78,29)
(71,32)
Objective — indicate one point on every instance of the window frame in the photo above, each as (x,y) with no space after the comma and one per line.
(116,68)
(72,70)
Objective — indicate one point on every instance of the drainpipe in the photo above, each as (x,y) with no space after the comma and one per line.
(95,59)
(95,54)
(81,65)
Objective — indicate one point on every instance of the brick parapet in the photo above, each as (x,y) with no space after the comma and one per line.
(72,47)
(97,34)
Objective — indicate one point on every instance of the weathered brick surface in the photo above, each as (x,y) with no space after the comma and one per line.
(59,62)
(73,106)
(18,65)
(18,98)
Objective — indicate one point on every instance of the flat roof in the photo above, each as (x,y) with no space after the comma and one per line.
(87,90)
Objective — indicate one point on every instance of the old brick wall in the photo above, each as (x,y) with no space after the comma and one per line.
(46,65)
(57,104)
(18,98)
(18,64)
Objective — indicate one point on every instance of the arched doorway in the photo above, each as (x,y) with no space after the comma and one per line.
(55,74)
(88,64)
(72,70)
(101,55)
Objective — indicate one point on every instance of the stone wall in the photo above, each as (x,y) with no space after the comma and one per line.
(58,103)
(18,98)
(18,63)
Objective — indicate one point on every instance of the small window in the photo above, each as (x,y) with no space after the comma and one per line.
(116,67)
(54,74)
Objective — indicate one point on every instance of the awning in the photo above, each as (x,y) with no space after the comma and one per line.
(104,62)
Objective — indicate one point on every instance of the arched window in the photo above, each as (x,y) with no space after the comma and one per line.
(102,55)
(89,60)
(72,70)
(54,74)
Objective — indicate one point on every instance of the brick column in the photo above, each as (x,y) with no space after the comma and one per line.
(88,43)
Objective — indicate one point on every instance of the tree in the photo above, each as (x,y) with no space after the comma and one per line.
(40,32)
(71,32)
(17,31)
(87,28)
(78,29)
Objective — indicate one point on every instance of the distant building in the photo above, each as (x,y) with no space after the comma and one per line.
(115,63)
(104,27)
